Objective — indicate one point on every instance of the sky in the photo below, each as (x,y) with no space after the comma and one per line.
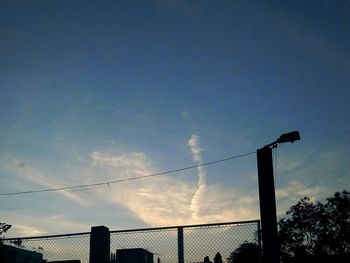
(97,91)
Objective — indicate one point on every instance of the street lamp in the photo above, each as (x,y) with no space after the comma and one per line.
(285,137)
(267,197)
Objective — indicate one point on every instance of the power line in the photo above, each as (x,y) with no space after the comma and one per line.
(126,179)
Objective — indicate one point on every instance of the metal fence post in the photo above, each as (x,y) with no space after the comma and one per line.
(180,244)
(99,245)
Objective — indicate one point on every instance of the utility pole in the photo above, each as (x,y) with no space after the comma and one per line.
(267,206)
(267,198)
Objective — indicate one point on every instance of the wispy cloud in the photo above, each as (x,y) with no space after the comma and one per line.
(160,201)
(314,174)
(194,145)
(24,230)
(34,175)
(291,193)
(298,190)
(136,162)
(168,200)
(185,114)
(25,224)
(173,199)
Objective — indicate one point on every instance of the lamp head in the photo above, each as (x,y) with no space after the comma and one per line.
(289,137)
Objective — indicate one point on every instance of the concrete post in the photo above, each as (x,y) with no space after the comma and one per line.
(267,206)
(99,245)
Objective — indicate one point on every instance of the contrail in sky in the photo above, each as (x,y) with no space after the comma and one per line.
(193,143)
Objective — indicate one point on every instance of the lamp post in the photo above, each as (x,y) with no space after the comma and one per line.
(267,197)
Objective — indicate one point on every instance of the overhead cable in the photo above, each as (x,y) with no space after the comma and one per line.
(126,179)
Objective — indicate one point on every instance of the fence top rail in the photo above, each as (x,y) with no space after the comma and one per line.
(134,230)
(48,236)
(186,226)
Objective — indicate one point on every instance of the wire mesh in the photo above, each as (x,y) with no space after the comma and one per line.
(162,243)
(69,247)
(204,241)
(199,241)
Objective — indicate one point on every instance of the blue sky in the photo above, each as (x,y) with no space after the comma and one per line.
(95,91)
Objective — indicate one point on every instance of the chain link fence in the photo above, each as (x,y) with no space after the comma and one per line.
(187,244)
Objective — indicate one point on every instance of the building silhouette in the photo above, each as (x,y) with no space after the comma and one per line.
(11,254)
(134,255)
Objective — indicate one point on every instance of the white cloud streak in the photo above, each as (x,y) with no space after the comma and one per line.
(157,202)
(34,175)
(298,190)
(168,200)
(25,224)
(197,199)
(23,230)
(291,193)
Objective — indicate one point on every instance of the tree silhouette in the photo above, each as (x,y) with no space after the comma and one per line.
(218,258)
(3,228)
(245,253)
(17,242)
(317,229)
(207,260)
